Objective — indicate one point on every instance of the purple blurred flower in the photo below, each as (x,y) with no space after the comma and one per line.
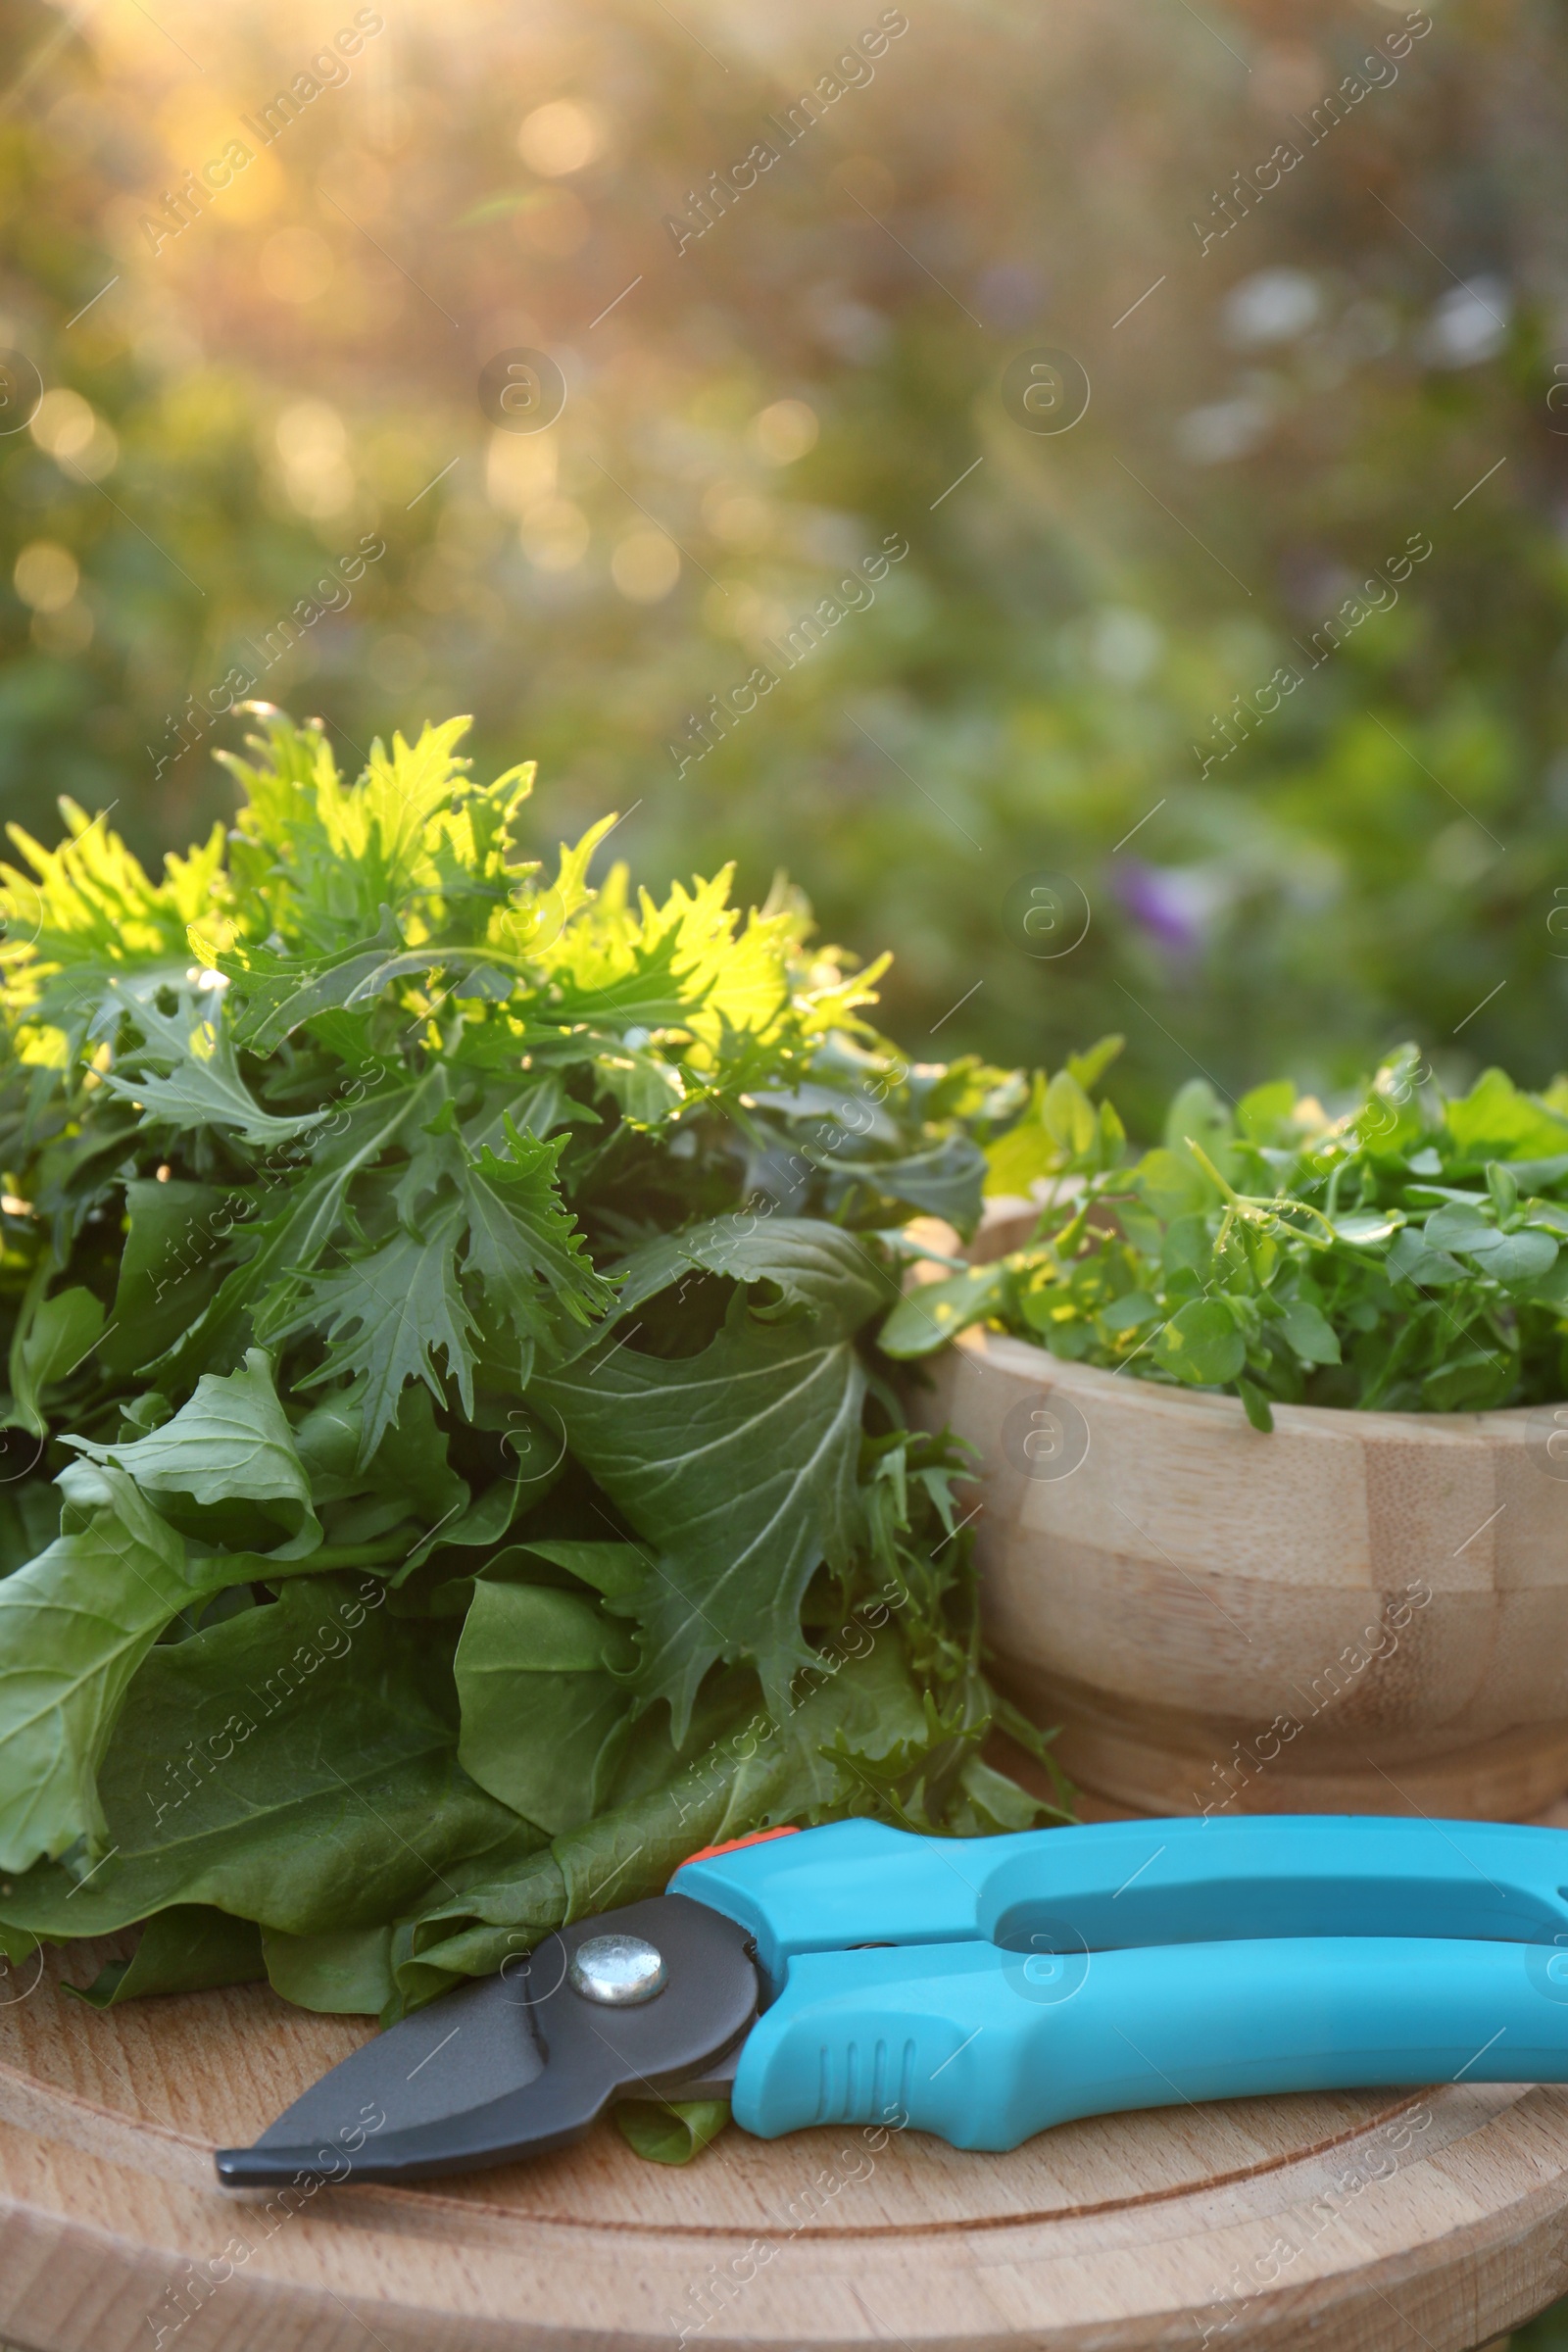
(1175,903)
(1011,293)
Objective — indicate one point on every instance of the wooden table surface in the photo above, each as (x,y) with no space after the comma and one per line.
(1355,2222)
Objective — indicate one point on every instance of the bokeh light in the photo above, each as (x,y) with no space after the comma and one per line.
(1302,259)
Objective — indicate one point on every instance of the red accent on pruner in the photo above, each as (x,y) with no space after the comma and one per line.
(707,1853)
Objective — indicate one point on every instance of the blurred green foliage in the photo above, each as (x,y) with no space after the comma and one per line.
(1036,687)
(1547,2333)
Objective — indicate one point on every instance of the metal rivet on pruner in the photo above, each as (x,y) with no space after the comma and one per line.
(617,1970)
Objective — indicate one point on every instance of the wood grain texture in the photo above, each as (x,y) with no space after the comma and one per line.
(1195,1590)
(1369,2222)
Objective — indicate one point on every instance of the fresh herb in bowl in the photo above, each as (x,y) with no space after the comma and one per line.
(446,1479)
(1406,1254)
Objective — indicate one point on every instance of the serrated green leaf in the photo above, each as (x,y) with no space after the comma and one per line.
(89,906)
(525,1247)
(274,995)
(342,1157)
(737,1468)
(284,1247)
(332,855)
(814,1265)
(184,1073)
(385,1314)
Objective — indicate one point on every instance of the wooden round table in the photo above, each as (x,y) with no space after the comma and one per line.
(1361,2222)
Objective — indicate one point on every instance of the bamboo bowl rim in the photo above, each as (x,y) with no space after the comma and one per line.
(1503,1425)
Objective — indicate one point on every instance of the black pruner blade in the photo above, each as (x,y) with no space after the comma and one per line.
(524,2062)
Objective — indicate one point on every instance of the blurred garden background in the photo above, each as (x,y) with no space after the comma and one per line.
(263,273)
(266,454)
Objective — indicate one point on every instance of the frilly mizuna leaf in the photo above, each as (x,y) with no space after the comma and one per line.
(737,1468)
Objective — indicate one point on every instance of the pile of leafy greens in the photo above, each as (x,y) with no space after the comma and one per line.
(1407,1253)
(447,1477)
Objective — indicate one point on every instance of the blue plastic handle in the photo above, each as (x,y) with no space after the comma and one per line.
(985,2048)
(1114,1885)
(1063,1973)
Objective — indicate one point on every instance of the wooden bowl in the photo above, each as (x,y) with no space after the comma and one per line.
(1360,1612)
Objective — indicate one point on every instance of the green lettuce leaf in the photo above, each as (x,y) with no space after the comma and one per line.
(188,1949)
(76,1623)
(670,2131)
(231,1443)
(296,1765)
(423,1226)
(856,1718)
(542,1680)
(171,1264)
(50,1342)
(345,1972)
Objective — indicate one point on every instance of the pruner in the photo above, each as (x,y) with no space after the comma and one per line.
(980,1989)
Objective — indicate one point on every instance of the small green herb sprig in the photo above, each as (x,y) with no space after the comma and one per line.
(1405,1255)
